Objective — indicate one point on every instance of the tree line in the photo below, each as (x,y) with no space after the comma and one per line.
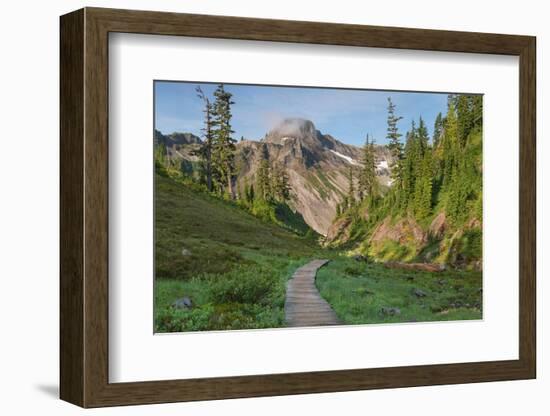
(271,183)
(367,186)
(444,173)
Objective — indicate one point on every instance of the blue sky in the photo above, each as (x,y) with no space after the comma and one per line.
(348,115)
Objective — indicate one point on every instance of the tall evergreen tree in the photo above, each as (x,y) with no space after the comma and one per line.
(280,184)
(223,147)
(205,151)
(409,167)
(422,169)
(368,183)
(465,120)
(424,186)
(450,145)
(423,137)
(263,176)
(438,129)
(395,146)
(477,110)
(251,194)
(248,191)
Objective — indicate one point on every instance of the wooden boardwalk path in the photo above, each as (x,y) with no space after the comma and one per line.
(304,305)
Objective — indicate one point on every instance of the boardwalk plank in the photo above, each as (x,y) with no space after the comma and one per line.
(304,305)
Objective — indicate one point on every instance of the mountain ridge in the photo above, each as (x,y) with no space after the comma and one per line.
(318,166)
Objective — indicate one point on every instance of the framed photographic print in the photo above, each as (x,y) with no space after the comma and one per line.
(256,207)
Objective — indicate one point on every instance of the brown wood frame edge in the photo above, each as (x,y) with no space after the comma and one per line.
(84,207)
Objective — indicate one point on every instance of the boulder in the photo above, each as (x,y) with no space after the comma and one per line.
(390,311)
(183,303)
(419,293)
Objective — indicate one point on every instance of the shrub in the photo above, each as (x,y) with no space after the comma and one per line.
(174,320)
(353,270)
(264,210)
(472,243)
(244,285)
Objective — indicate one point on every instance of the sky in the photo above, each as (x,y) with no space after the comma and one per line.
(348,115)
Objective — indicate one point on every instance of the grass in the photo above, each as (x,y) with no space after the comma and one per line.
(390,250)
(248,297)
(234,268)
(196,233)
(362,293)
(232,265)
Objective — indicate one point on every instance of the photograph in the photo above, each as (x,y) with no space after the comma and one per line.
(297,206)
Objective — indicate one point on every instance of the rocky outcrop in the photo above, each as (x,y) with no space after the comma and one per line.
(180,147)
(473,223)
(176,138)
(404,231)
(339,231)
(438,226)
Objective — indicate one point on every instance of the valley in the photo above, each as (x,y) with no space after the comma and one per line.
(397,228)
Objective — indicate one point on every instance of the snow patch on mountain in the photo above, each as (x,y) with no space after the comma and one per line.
(347,158)
(383,164)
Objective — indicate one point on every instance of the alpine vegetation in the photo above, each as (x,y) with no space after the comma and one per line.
(290,206)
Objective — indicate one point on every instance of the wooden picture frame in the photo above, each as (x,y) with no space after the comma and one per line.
(84,207)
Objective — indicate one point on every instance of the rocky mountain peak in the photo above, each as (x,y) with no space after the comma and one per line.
(297,128)
(176,138)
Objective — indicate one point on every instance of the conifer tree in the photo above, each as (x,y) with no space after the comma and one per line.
(368,184)
(421,168)
(263,178)
(423,137)
(280,184)
(450,145)
(395,146)
(477,110)
(205,151)
(251,194)
(248,191)
(465,121)
(438,129)
(409,168)
(423,195)
(223,146)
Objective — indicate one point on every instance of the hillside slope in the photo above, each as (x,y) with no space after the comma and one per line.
(196,233)
(229,266)
(445,227)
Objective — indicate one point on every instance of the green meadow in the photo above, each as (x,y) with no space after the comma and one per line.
(234,268)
